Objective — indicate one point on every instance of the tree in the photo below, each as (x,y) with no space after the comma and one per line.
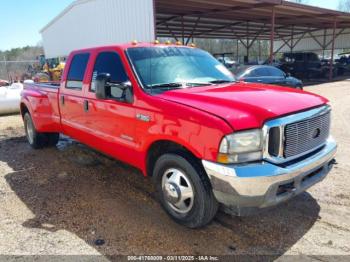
(344,5)
(17,59)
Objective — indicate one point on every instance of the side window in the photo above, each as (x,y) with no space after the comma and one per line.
(261,71)
(312,57)
(251,73)
(110,63)
(275,72)
(76,71)
(299,57)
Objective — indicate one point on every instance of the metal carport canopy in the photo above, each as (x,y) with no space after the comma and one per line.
(241,19)
(247,21)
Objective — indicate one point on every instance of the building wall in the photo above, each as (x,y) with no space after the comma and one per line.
(309,44)
(88,23)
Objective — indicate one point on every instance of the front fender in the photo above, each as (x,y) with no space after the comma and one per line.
(197,131)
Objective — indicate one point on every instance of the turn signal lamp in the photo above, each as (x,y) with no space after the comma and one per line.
(223,158)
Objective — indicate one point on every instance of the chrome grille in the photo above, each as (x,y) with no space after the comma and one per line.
(306,135)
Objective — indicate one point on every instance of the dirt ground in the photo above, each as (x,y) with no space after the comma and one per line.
(72,201)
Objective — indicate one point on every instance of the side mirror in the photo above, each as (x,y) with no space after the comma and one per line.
(101,85)
(105,89)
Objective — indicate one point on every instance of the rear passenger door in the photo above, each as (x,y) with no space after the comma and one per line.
(71,97)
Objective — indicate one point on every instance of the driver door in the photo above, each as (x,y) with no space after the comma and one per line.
(111,121)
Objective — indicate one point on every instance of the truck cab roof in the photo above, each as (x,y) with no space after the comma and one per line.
(126,46)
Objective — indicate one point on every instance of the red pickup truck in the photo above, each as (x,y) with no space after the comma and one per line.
(180,116)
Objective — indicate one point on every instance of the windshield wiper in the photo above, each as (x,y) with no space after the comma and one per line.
(177,85)
(166,85)
(220,81)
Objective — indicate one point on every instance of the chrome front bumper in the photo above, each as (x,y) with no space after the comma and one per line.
(245,187)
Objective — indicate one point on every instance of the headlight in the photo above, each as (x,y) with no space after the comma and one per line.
(241,147)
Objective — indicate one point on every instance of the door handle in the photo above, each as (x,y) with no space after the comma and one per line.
(86,105)
(62,100)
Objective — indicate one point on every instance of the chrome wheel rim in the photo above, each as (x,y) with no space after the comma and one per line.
(177,190)
(30,131)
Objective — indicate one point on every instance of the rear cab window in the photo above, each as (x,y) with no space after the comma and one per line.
(76,71)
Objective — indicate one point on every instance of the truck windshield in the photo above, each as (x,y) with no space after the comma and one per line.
(166,68)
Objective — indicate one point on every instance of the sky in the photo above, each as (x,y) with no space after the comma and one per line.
(21,20)
(331,4)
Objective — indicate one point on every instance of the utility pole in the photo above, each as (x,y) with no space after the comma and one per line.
(272,35)
(6,69)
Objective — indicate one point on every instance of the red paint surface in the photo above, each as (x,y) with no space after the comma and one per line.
(196,118)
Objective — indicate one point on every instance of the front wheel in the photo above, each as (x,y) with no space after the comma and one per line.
(184,190)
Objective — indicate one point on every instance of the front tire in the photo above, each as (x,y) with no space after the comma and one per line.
(184,190)
(36,139)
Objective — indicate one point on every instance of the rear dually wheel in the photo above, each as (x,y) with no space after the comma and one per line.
(36,139)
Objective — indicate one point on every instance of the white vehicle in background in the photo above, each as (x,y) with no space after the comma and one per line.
(10,97)
(226,59)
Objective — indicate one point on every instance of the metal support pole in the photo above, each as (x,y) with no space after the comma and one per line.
(332,53)
(324,42)
(183,30)
(292,40)
(272,34)
(259,58)
(248,46)
(154,19)
(237,50)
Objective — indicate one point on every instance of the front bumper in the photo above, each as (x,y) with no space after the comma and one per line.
(246,187)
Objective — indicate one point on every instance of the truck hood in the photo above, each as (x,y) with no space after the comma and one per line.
(245,105)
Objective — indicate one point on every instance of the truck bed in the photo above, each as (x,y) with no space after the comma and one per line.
(51,85)
(42,98)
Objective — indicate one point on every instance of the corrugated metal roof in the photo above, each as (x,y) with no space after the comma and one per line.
(241,18)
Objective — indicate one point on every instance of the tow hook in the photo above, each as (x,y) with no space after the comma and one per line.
(333,162)
(286,188)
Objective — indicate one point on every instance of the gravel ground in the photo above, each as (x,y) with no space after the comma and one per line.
(72,201)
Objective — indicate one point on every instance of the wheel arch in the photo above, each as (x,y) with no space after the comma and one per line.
(24,109)
(164,146)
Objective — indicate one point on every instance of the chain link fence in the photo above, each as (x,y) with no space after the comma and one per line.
(18,70)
